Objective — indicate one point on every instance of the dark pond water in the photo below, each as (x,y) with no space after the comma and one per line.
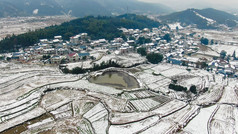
(119,80)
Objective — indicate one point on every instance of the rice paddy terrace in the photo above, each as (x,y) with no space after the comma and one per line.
(36,99)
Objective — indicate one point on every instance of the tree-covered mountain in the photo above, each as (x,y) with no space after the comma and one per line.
(96,27)
(78,8)
(204,19)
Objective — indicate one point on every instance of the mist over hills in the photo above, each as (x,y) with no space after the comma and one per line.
(208,18)
(111,7)
(26,7)
(78,8)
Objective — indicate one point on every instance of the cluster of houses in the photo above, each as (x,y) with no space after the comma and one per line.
(185,49)
(177,47)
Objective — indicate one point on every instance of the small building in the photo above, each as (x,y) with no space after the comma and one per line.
(44,41)
(59,37)
(174,61)
(75,39)
(17,56)
(61,51)
(73,57)
(81,55)
(49,51)
(55,59)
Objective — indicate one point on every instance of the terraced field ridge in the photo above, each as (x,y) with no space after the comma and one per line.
(35,99)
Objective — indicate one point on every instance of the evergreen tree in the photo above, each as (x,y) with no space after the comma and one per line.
(193,89)
(167,37)
(234,55)
(204,41)
(142,51)
(223,54)
(154,58)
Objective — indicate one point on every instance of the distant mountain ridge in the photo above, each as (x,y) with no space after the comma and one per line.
(109,7)
(78,8)
(204,19)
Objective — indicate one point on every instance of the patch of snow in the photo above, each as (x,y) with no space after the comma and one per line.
(132,127)
(175,25)
(210,21)
(36,11)
(199,123)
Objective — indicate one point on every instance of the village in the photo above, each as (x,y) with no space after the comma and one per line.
(178,46)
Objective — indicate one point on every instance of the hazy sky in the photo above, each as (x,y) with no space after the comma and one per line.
(183,4)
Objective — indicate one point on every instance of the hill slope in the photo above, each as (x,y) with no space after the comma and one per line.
(26,7)
(8,9)
(110,7)
(78,8)
(96,27)
(204,19)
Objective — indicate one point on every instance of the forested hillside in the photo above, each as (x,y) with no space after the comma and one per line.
(96,27)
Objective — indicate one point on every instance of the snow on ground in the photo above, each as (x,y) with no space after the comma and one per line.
(20,79)
(173,72)
(228,48)
(199,123)
(113,103)
(173,122)
(123,118)
(162,127)
(197,81)
(206,54)
(55,99)
(98,116)
(23,118)
(124,60)
(164,110)
(229,96)
(236,118)
(170,107)
(210,21)
(223,121)
(225,37)
(175,25)
(211,96)
(144,104)
(85,84)
(74,102)
(132,127)
(82,64)
(161,67)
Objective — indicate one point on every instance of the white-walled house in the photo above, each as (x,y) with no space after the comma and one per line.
(73,57)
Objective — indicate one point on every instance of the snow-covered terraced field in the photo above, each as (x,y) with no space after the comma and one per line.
(138,94)
(175,122)
(224,120)
(75,105)
(133,127)
(212,96)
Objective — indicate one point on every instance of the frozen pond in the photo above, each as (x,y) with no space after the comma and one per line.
(119,80)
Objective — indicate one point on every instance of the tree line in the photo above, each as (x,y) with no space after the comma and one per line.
(96,67)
